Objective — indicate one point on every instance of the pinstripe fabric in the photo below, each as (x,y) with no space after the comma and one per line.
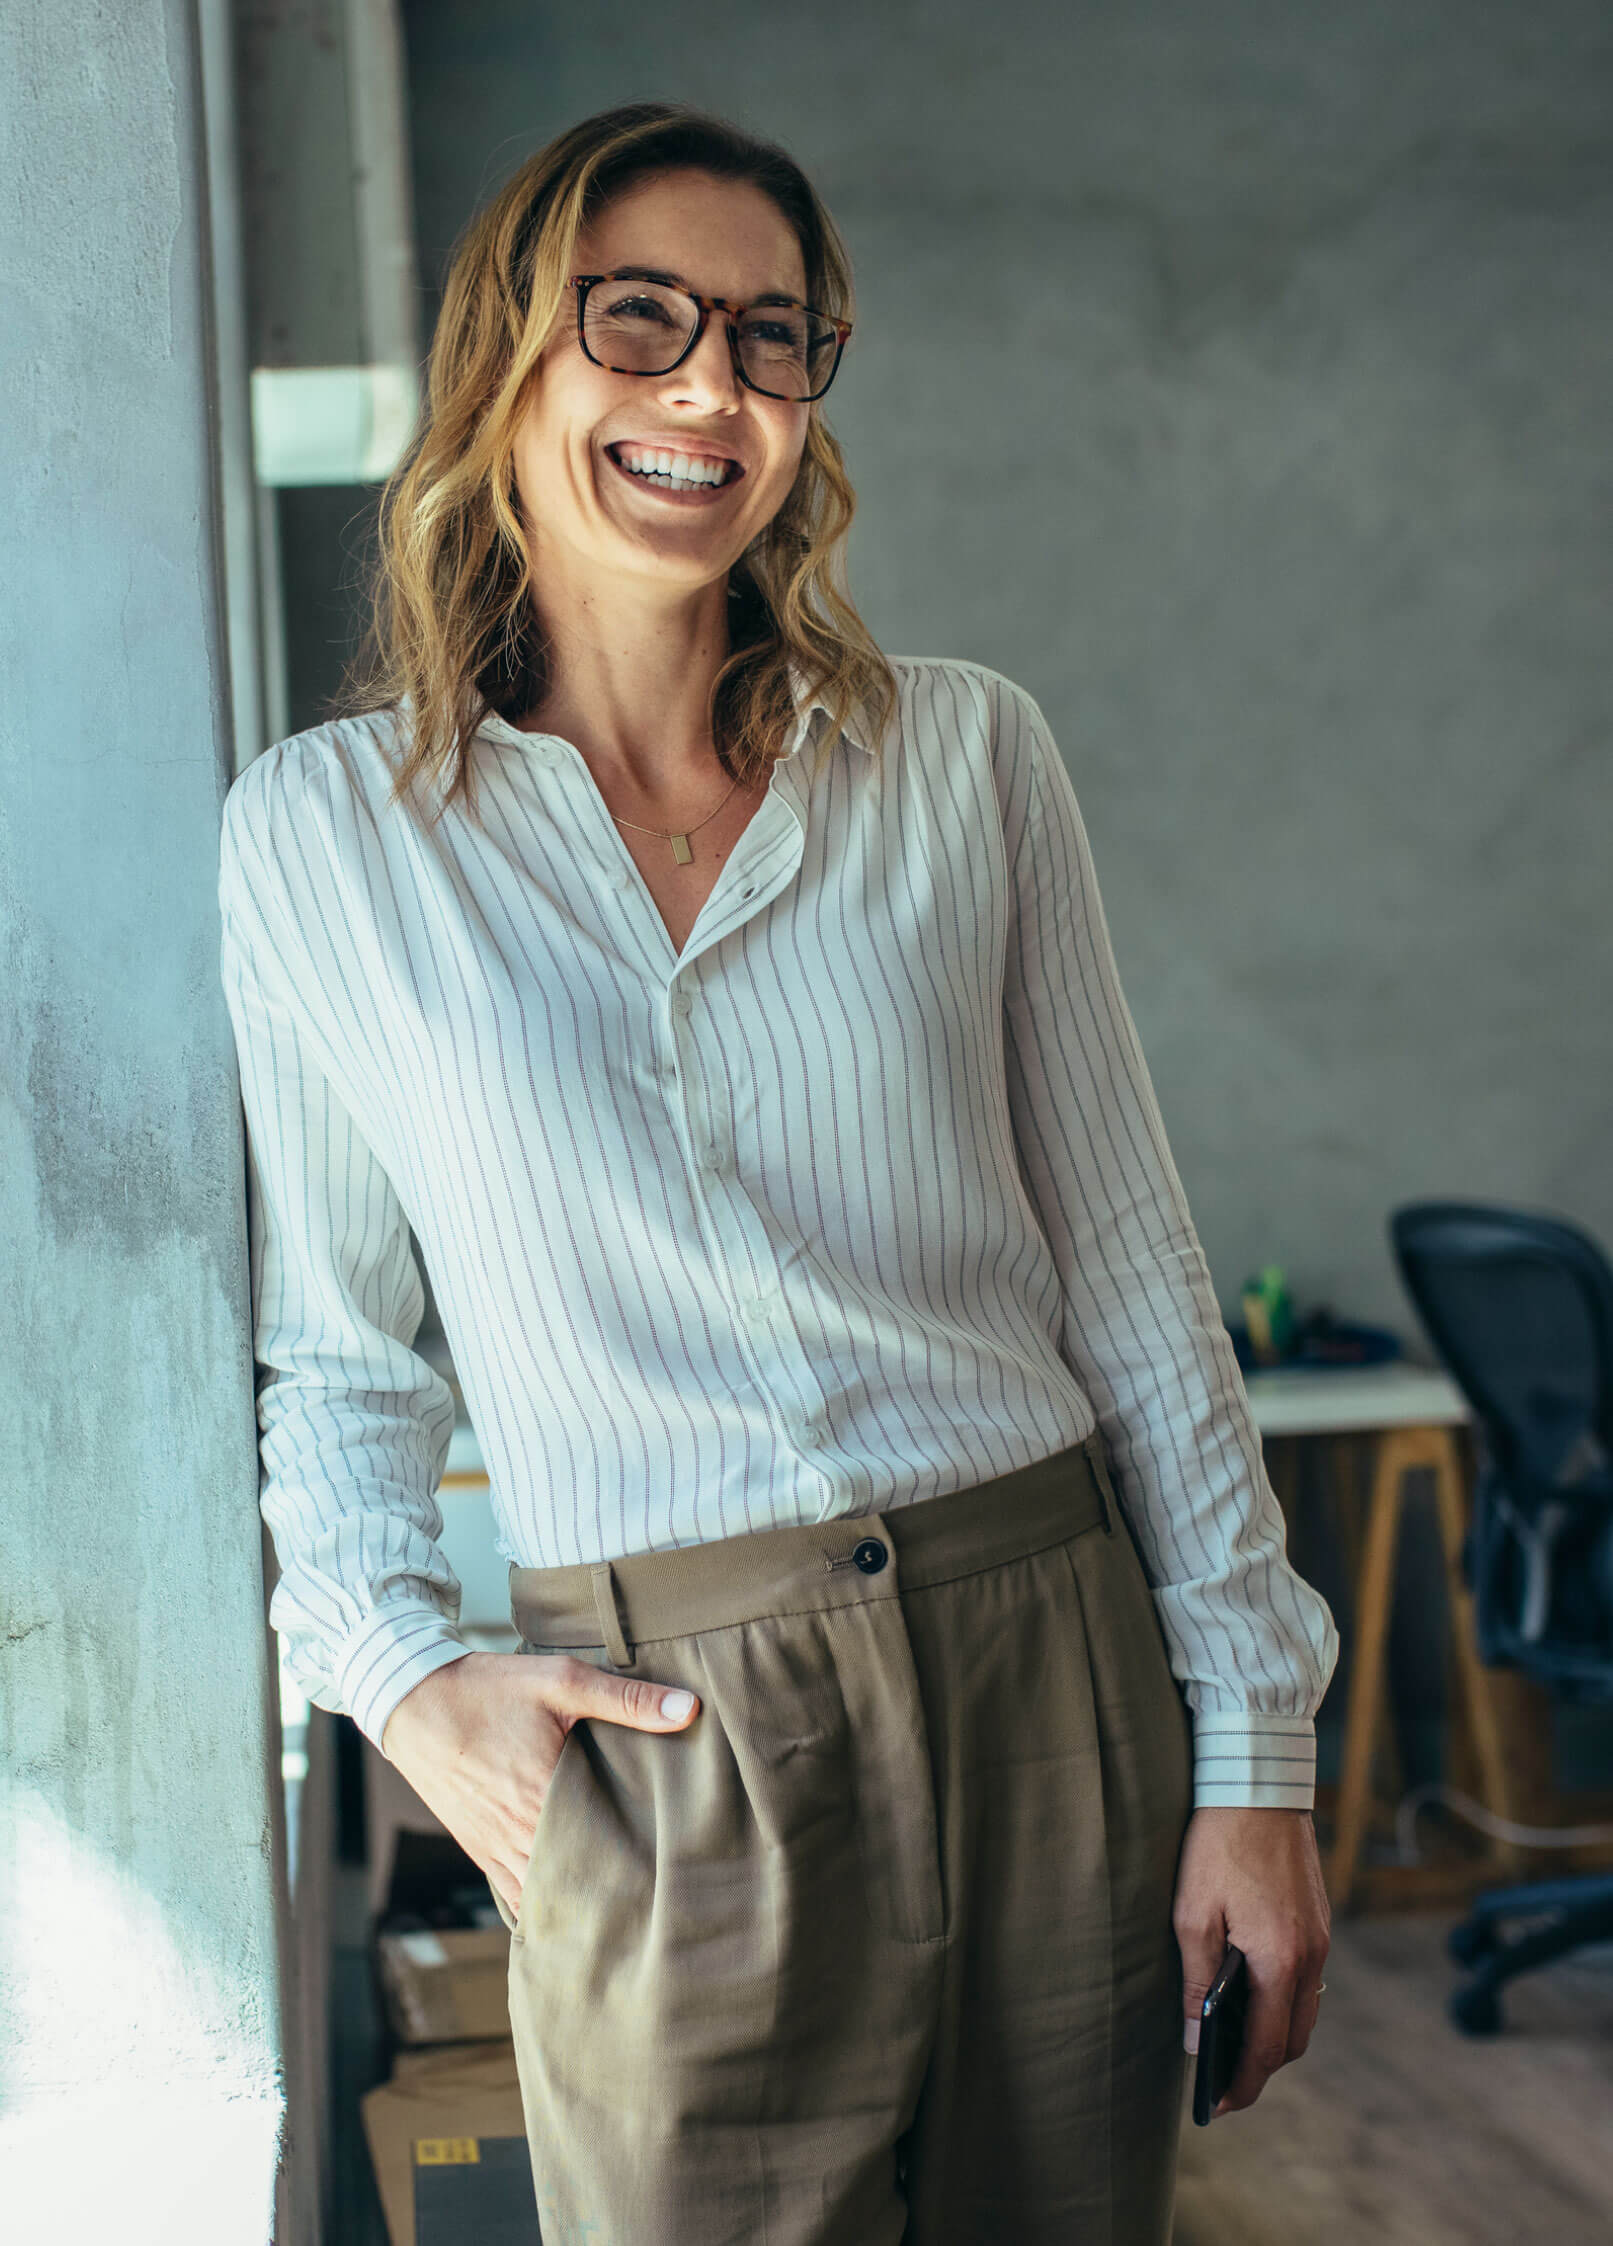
(861,1198)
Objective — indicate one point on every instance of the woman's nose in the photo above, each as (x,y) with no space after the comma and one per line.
(706,377)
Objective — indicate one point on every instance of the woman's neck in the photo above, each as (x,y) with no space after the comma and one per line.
(630,680)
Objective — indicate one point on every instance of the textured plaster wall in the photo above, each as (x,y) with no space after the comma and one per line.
(1236,378)
(139,2094)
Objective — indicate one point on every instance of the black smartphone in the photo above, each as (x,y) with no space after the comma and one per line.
(1221,2033)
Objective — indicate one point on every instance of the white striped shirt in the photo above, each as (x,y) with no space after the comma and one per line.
(861,1197)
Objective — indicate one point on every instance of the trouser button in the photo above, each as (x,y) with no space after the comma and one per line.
(870,1555)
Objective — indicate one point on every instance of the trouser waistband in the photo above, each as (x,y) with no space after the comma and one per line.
(632,1601)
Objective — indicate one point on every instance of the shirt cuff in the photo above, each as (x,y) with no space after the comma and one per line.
(1244,1760)
(393,1648)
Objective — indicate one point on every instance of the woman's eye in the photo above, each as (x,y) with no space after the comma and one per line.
(638,308)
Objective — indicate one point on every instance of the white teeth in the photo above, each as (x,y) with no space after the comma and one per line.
(677,470)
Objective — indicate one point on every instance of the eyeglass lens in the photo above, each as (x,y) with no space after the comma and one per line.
(639,327)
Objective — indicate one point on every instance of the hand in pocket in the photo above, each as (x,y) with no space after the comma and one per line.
(479,1739)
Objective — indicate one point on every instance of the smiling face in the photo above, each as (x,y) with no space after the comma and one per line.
(587,433)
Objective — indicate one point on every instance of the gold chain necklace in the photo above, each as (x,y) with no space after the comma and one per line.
(680,842)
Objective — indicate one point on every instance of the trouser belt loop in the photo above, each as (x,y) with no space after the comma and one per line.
(1093,1446)
(610,1616)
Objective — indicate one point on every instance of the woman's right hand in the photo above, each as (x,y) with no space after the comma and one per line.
(478,1741)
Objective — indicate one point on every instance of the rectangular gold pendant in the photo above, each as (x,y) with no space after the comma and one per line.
(680,849)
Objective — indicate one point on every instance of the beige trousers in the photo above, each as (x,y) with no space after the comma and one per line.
(880,1948)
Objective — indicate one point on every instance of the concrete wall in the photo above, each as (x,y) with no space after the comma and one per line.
(139,2026)
(1270,451)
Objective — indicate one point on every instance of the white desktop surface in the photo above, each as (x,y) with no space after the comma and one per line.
(1345,1399)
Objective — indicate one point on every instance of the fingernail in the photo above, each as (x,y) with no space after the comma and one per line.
(676,1705)
(1190,2039)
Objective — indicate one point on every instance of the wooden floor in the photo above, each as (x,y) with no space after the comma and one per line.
(1395,2129)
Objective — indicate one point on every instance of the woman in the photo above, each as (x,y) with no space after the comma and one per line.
(731,1012)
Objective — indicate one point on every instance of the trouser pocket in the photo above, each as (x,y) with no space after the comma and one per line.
(552,1815)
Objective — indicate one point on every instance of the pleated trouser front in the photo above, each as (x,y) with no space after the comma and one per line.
(879,1949)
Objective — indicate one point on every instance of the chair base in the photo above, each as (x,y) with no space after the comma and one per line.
(1576,1912)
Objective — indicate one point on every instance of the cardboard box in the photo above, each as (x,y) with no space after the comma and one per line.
(474,2191)
(450,1986)
(447,2100)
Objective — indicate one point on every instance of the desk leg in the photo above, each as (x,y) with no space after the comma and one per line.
(1476,1699)
(1349,1514)
(1398,1451)
(1370,1623)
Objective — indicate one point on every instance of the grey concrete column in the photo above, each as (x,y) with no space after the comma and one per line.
(140,2090)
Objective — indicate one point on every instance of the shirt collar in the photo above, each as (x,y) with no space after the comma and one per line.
(806,706)
(852,729)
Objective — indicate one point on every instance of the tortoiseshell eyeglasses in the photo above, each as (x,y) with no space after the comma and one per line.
(634,322)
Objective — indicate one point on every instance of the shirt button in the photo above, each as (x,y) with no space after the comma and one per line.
(620,878)
(870,1555)
(812,1432)
(682,1002)
(713,1158)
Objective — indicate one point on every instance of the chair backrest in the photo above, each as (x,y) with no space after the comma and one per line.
(1520,1307)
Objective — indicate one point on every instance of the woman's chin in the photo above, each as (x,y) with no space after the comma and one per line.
(688,562)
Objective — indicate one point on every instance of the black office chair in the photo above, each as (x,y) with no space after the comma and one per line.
(1519,1307)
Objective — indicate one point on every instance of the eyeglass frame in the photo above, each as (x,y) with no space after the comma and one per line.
(705,306)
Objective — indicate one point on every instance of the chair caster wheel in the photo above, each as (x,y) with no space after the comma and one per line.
(1469,1941)
(1475,2011)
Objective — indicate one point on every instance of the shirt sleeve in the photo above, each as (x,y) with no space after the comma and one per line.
(1250,1642)
(354,1424)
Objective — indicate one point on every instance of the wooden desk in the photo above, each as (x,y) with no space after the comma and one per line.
(1413,1417)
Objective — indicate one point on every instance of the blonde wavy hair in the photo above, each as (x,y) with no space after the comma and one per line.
(453,630)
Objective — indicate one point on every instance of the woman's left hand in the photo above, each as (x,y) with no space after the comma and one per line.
(1253,1877)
